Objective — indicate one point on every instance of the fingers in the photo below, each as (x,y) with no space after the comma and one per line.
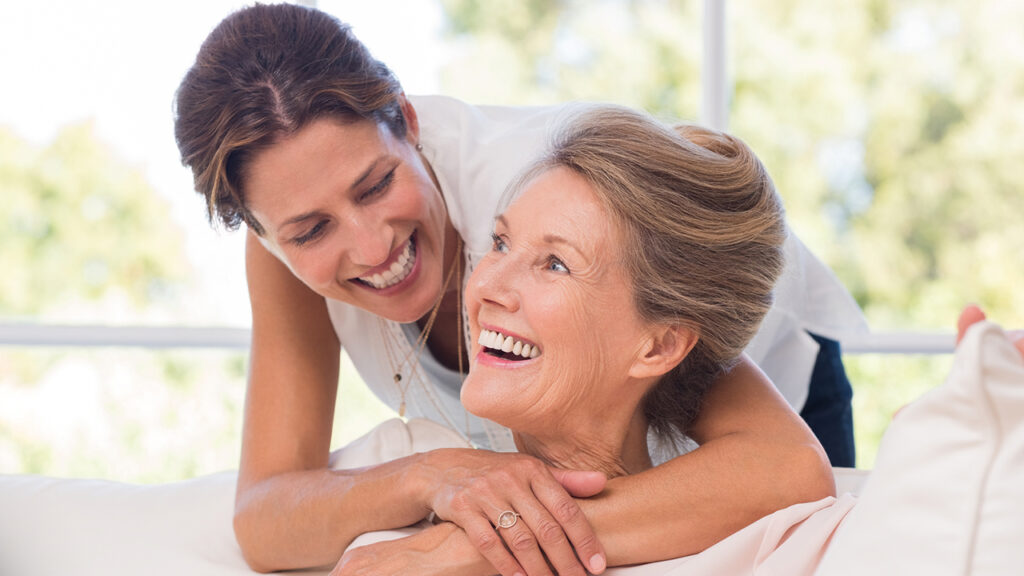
(490,545)
(1017,337)
(971,315)
(538,530)
(580,484)
(551,529)
(568,518)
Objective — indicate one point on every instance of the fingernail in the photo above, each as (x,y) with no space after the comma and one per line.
(518,574)
(597,563)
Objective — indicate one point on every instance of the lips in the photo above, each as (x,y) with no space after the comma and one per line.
(507,347)
(399,269)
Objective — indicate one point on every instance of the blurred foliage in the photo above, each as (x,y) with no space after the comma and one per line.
(78,226)
(114,413)
(643,54)
(141,415)
(894,131)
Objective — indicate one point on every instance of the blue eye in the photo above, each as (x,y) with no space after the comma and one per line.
(556,265)
(498,244)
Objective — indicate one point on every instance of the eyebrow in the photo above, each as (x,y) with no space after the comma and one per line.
(548,238)
(314,213)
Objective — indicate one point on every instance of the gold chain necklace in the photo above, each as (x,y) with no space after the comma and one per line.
(403,383)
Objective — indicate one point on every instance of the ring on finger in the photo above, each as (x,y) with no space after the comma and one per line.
(507,519)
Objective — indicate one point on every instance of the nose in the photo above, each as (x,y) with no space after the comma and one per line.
(494,283)
(372,241)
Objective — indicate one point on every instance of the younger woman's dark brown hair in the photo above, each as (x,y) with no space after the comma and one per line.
(264,73)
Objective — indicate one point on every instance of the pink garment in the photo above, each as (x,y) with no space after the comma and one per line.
(790,542)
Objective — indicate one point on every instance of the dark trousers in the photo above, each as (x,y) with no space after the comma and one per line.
(829,409)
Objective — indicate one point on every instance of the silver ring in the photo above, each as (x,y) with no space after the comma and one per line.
(507,519)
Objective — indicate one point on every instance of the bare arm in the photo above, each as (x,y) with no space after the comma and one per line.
(291,511)
(756,456)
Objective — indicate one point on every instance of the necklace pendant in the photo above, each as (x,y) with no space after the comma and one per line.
(401,409)
(398,378)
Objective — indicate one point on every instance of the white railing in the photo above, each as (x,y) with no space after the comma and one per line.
(90,336)
(714,72)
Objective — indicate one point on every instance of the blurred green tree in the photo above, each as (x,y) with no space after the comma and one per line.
(80,226)
(893,130)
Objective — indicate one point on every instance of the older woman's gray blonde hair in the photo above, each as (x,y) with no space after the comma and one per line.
(704,232)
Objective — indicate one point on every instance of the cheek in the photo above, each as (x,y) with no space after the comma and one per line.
(315,267)
(578,358)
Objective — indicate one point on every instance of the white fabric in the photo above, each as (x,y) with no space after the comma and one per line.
(54,526)
(969,432)
(476,151)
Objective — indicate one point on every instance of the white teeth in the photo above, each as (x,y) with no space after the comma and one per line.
(497,341)
(399,270)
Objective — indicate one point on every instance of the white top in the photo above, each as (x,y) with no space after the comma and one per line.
(475,152)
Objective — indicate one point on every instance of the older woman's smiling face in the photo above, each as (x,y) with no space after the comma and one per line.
(555,289)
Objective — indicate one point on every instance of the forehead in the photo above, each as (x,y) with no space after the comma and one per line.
(560,201)
(327,153)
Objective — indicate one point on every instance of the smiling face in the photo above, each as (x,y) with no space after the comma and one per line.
(354,213)
(554,282)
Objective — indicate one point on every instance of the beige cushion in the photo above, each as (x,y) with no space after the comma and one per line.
(946,496)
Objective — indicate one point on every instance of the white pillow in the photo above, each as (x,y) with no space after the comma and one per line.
(54,526)
(57,526)
(947,492)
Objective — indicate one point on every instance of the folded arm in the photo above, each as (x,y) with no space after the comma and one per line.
(756,456)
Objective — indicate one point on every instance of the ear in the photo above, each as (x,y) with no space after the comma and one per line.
(412,122)
(666,348)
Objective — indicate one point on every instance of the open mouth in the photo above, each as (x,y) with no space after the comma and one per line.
(398,271)
(506,347)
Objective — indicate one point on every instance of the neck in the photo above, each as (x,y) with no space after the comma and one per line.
(614,446)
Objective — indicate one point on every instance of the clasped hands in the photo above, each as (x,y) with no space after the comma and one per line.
(468,491)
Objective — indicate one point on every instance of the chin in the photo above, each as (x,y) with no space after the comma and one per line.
(476,400)
(482,396)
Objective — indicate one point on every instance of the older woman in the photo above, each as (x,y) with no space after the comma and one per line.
(632,269)
(364,209)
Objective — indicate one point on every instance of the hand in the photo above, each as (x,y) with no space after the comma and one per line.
(441,550)
(473,487)
(971,315)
